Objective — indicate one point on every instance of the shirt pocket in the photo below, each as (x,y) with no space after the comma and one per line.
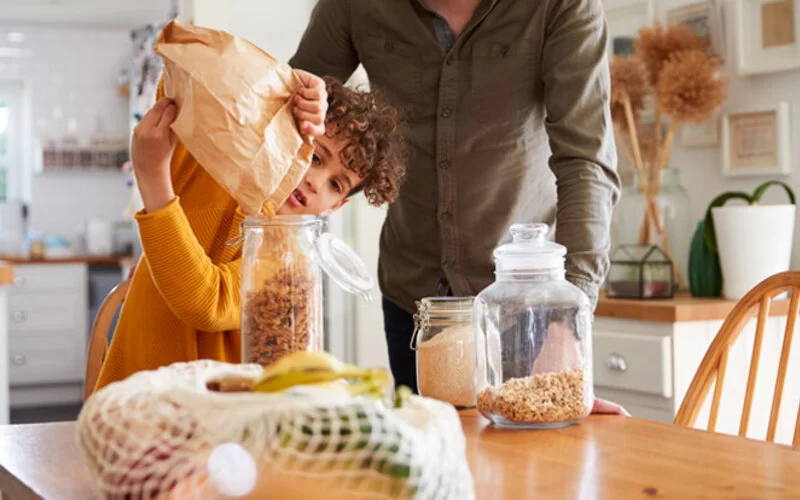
(392,66)
(503,80)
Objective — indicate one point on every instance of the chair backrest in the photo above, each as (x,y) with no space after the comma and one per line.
(712,368)
(98,342)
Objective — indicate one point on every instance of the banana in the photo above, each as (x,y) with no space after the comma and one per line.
(319,368)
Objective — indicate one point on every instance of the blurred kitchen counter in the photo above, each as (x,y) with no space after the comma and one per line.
(92,260)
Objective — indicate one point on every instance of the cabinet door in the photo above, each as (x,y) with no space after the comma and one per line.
(634,362)
(37,359)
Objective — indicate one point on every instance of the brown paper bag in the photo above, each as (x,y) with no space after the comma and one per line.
(235,113)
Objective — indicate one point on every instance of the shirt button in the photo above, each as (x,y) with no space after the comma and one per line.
(446,113)
(504,50)
(445,215)
(444,164)
(446,264)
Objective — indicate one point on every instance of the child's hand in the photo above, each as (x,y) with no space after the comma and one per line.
(311,104)
(151,151)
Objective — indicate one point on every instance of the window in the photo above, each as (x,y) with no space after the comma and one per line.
(11,158)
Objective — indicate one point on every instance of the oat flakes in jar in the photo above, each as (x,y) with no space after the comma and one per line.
(533,337)
(445,350)
(284,261)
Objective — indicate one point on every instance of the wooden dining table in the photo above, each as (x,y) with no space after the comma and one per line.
(603,457)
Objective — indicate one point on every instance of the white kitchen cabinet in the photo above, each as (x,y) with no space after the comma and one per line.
(48,330)
(647,365)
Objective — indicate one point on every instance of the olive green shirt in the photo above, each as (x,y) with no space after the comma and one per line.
(524,87)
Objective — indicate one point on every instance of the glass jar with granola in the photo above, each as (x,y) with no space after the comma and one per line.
(533,337)
(284,261)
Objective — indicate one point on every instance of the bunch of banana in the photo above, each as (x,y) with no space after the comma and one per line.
(322,369)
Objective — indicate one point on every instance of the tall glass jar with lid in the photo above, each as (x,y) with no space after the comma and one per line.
(283,260)
(533,337)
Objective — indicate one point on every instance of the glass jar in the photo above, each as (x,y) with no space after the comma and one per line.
(445,348)
(672,207)
(283,259)
(533,337)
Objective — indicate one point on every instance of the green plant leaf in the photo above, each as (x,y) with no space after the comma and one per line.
(708,227)
(760,190)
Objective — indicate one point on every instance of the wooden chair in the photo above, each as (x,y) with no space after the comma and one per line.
(98,342)
(714,364)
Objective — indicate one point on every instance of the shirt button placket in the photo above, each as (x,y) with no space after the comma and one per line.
(445,146)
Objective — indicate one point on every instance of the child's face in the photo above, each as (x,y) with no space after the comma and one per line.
(327,183)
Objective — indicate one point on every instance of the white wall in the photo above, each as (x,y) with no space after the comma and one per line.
(71,76)
(701,168)
(275,26)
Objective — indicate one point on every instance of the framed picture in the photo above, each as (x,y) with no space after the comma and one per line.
(706,20)
(622,46)
(624,18)
(757,142)
(767,36)
(701,134)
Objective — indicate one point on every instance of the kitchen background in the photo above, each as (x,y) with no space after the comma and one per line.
(66,67)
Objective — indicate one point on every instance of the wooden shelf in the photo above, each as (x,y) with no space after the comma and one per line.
(682,307)
(76,259)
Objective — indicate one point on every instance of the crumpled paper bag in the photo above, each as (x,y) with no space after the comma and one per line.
(235,113)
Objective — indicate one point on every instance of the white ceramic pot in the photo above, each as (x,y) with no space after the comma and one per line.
(754,243)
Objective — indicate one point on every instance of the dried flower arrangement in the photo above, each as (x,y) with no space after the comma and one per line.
(672,64)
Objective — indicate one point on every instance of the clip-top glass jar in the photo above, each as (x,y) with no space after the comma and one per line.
(281,290)
(445,350)
(533,337)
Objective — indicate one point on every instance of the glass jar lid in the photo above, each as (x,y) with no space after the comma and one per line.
(529,250)
(344,266)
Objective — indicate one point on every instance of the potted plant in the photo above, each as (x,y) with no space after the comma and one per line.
(754,241)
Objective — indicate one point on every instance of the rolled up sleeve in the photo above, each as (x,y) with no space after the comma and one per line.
(576,84)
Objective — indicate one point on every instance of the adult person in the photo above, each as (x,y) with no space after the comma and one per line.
(494,92)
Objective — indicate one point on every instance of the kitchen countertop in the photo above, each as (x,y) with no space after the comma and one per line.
(683,307)
(602,457)
(75,259)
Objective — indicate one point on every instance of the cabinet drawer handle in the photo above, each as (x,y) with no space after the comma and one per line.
(19,359)
(18,316)
(19,282)
(617,363)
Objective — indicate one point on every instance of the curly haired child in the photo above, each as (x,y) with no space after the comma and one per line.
(183,301)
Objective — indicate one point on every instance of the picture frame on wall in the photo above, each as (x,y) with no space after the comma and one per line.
(757,141)
(624,18)
(705,19)
(768,36)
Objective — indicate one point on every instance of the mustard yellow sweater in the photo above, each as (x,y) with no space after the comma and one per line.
(183,302)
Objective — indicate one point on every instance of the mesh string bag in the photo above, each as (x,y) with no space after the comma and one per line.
(151,435)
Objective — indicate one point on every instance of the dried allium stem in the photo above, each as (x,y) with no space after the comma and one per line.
(632,130)
(664,158)
(656,136)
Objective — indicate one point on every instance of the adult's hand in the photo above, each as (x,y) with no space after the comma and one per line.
(603,407)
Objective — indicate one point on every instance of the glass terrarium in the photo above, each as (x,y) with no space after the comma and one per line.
(640,272)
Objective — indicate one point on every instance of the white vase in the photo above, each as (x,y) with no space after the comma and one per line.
(754,242)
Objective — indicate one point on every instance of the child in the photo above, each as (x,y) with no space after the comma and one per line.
(183,302)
